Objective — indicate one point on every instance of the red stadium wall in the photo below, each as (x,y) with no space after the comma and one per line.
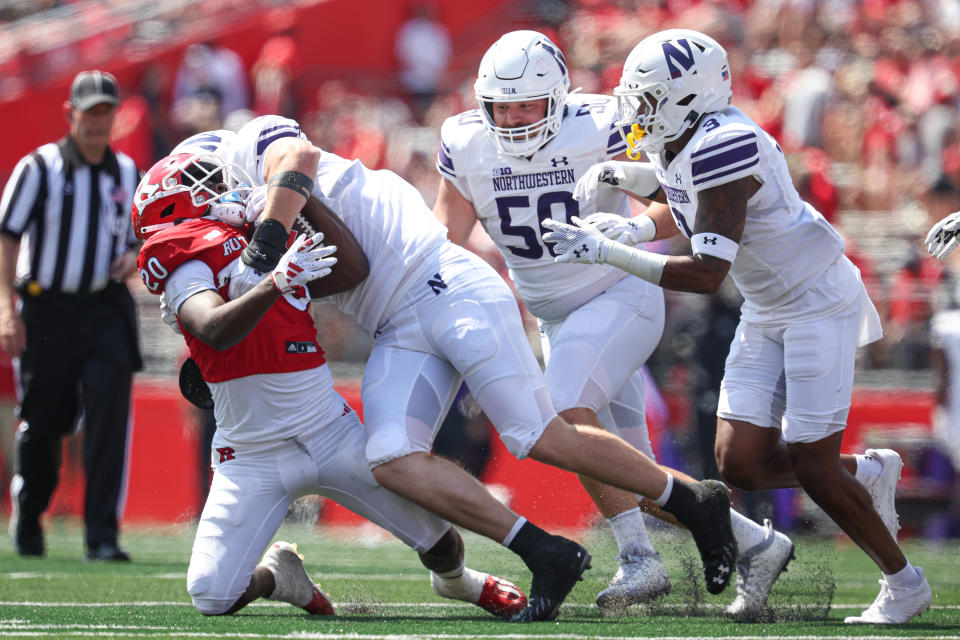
(163,484)
(334,38)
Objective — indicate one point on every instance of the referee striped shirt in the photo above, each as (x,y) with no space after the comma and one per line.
(72,218)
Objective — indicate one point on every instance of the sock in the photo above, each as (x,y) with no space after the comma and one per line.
(665,496)
(868,468)
(682,501)
(467,585)
(453,573)
(747,533)
(513,531)
(528,540)
(906,577)
(629,529)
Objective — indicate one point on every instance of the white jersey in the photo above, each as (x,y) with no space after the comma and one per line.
(513,196)
(786,244)
(388,217)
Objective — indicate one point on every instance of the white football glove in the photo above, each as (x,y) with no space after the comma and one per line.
(629,231)
(944,236)
(256,202)
(582,243)
(307,259)
(636,177)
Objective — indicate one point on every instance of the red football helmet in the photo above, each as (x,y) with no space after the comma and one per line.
(186,186)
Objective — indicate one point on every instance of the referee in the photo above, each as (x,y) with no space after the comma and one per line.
(66,247)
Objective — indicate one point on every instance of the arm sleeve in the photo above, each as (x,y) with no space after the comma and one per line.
(190,278)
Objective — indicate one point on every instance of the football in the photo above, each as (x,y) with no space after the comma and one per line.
(308,224)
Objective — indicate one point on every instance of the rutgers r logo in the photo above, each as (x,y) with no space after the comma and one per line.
(226,453)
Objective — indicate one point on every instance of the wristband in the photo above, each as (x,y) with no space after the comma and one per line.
(293,180)
(643,264)
(714,245)
(267,246)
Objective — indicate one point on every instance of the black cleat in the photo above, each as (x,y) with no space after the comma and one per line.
(713,533)
(107,552)
(556,567)
(26,534)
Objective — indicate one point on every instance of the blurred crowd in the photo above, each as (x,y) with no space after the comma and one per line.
(863,95)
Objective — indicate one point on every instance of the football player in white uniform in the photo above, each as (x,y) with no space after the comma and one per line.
(440,315)
(513,163)
(786,390)
(282,429)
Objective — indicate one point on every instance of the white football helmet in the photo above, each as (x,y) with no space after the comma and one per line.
(669,80)
(523,66)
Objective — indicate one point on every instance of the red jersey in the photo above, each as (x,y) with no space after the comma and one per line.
(284,340)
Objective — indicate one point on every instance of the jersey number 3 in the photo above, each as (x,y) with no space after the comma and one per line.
(533,245)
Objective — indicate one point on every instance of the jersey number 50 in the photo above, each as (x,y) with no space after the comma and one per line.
(533,245)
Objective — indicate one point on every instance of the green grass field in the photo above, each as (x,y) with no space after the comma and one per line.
(382,592)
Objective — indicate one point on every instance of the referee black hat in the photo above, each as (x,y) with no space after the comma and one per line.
(91,88)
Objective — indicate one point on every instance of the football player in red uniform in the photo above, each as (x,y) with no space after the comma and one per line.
(282,429)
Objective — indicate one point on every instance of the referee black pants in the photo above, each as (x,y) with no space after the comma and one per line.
(77,368)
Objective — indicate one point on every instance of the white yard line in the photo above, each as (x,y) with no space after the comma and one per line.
(61,631)
(376,604)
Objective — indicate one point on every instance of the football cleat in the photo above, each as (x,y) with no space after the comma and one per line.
(491,593)
(883,487)
(25,533)
(556,567)
(293,585)
(501,597)
(757,569)
(713,534)
(896,605)
(641,577)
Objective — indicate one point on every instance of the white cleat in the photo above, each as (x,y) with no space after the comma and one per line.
(293,585)
(883,488)
(757,569)
(641,577)
(896,605)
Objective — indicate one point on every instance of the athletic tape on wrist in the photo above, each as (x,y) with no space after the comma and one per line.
(643,264)
(714,245)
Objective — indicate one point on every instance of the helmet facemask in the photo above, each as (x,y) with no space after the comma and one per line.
(188,186)
(222,186)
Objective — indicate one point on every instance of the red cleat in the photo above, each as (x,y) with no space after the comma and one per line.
(320,605)
(501,597)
